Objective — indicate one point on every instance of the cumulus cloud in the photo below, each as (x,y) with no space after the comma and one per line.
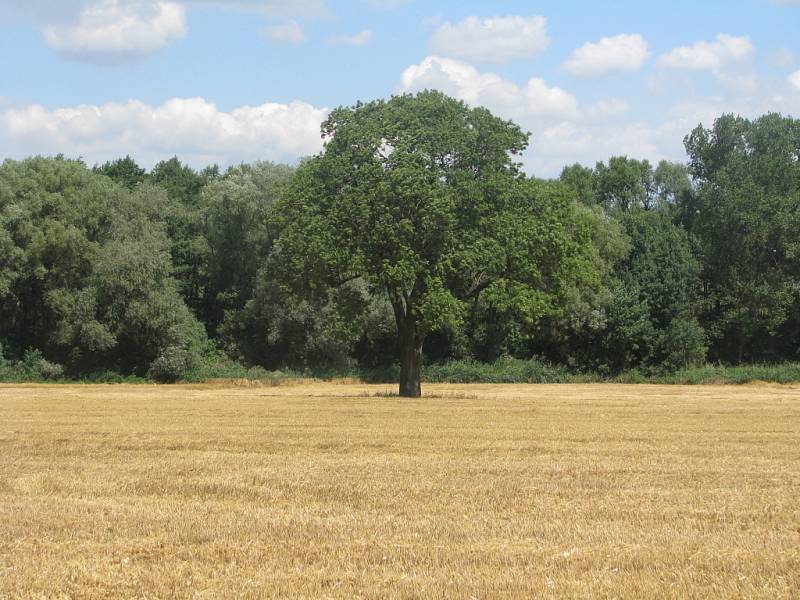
(495,40)
(50,11)
(782,59)
(192,128)
(728,59)
(626,52)
(794,80)
(606,109)
(114,30)
(709,56)
(563,131)
(464,81)
(275,8)
(111,31)
(361,38)
(288,34)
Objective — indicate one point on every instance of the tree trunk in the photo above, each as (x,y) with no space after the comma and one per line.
(740,347)
(410,359)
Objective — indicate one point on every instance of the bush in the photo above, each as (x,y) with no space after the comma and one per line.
(681,346)
(35,366)
(110,377)
(211,363)
(171,364)
(504,370)
(739,374)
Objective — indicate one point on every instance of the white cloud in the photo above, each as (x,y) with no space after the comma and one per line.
(114,30)
(794,79)
(51,11)
(709,56)
(111,31)
(465,82)
(192,128)
(564,131)
(275,8)
(362,38)
(741,81)
(728,59)
(781,59)
(606,109)
(288,34)
(618,53)
(540,99)
(497,39)
(460,80)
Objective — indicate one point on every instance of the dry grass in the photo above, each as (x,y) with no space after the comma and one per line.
(320,491)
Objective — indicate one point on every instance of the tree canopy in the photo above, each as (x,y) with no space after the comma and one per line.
(420,197)
(745,217)
(86,276)
(413,236)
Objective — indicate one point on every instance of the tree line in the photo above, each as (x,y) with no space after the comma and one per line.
(413,237)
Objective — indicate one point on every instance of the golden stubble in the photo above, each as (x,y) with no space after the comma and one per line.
(318,490)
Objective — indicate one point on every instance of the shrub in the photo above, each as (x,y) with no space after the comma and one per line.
(504,370)
(171,364)
(35,366)
(681,346)
(212,363)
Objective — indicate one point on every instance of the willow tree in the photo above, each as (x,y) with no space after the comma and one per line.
(421,198)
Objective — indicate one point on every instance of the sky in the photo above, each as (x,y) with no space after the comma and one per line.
(230,81)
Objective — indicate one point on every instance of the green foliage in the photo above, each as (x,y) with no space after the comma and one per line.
(237,235)
(180,181)
(87,276)
(211,363)
(170,364)
(661,264)
(626,183)
(183,219)
(32,367)
(681,345)
(419,197)
(739,374)
(583,181)
(503,370)
(672,183)
(550,258)
(745,215)
(35,366)
(413,233)
(278,329)
(650,320)
(123,171)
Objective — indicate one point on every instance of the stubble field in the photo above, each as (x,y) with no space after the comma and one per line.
(341,491)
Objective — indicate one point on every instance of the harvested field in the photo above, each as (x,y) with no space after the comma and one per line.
(342,491)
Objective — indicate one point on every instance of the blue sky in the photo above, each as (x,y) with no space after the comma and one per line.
(238,80)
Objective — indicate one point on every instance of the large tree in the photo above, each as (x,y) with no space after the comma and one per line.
(85,272)
(237,236)
(745,215)
(420,198)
